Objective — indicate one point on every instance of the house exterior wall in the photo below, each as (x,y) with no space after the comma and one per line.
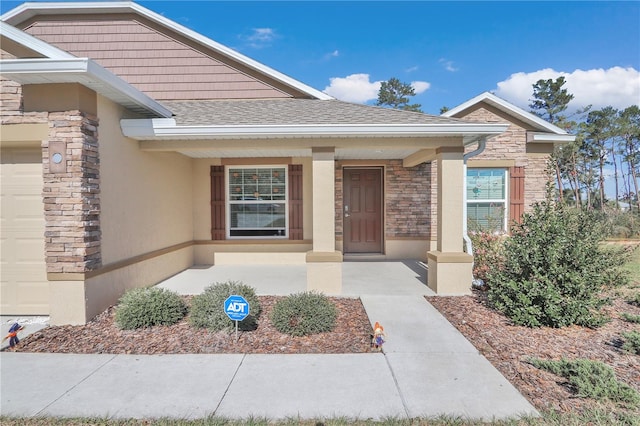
(164,65)
(511,146)
(237,251)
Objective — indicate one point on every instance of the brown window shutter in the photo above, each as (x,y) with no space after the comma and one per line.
(295,201)
(218,210)
(516,196)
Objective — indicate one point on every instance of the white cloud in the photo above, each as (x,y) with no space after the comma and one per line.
(447,64)
(331,55)
(412,69)
(260,37)
(353,88)
(420,86)
(617,86)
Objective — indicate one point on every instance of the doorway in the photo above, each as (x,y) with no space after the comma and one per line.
(362,210)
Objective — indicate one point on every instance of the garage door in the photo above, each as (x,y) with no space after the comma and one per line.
(25,290)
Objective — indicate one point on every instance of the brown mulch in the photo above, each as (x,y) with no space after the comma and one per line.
(508,346)
(352,334)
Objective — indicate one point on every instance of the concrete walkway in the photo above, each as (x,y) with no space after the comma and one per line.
(427,369)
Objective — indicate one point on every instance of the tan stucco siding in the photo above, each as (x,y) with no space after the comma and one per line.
(145,197)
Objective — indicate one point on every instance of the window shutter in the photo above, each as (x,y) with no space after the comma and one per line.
(516,196)
(295,201)
(218,229)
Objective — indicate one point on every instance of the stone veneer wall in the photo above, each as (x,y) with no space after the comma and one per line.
(512,145)
(408,194)
(72,198)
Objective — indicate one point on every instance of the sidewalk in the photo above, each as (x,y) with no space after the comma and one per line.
(427,369)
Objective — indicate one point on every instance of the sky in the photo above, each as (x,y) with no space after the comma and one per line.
(449,51)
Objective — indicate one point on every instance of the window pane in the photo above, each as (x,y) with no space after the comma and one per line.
(257,202)
(257,184)
(486,184)
(485,217)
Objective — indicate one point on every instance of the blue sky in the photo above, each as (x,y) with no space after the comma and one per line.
(453,51)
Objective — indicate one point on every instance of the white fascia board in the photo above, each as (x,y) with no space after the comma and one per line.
(166,129)
(84,71)
(549,137)
(509,108)
(33,43)
(28,10)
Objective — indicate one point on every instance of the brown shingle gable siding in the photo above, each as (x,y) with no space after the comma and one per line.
(163,67)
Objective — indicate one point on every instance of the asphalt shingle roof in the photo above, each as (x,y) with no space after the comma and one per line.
(293,112)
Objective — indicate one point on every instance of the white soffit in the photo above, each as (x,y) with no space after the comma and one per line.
(86,72)
(31,9)
(510,109)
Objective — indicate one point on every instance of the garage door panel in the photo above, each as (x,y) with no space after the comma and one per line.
(23,279)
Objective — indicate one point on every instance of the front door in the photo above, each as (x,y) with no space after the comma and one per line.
(362,210)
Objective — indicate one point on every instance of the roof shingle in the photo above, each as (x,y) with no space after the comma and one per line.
(293,112)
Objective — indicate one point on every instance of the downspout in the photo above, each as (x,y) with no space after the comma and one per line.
(482,144)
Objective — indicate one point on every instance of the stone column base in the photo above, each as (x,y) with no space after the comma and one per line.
(449,273)
(324,272)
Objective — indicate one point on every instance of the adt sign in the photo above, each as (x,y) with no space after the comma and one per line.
(236,307)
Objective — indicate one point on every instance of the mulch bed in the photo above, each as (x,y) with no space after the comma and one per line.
(508,347)
(352,334)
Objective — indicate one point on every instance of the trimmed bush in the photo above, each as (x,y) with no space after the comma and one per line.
(590,379)
(631,342)
(146,307)
(555,269)
(304,313)
(207,309)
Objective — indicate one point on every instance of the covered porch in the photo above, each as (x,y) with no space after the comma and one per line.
(318,142)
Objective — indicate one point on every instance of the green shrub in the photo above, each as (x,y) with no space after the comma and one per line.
(488,253)
(590,379)
(146,307)
(207,309)
(635,299)
(555,269)
(631,342)
(630,317)
(303,314)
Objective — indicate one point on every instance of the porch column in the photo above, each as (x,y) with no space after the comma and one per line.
(324,263)
(450,268)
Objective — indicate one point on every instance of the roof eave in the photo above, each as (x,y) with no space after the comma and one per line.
(533,137)
(167,129)
(28,10)
(86,72)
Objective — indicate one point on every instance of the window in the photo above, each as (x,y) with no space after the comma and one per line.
(257,202)
(487,199)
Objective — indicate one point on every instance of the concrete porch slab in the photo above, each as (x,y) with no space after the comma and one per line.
(406,277)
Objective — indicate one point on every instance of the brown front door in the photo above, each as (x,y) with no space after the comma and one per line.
(362,210)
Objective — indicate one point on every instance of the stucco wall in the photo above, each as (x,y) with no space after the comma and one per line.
(146,197)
